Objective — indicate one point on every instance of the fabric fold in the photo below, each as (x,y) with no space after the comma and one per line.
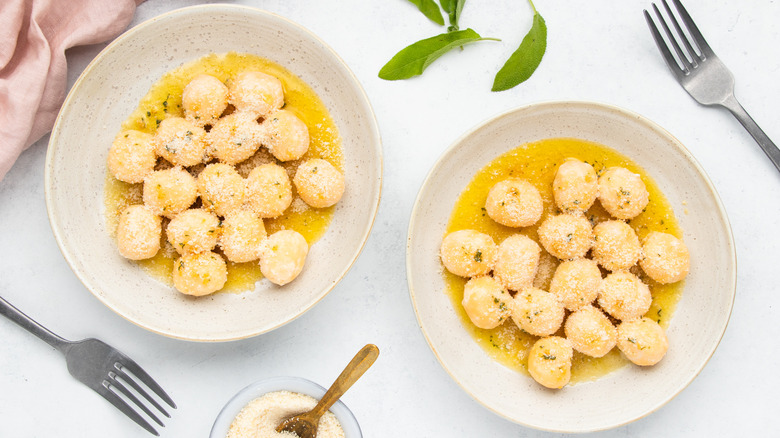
(34,35)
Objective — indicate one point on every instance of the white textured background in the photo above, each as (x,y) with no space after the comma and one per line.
(598,50)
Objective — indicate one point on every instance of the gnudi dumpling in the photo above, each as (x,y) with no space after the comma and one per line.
(537,312)
(319,183)
(243,233)
(169,192)
(257,93)
(624,296)
(517,262)
(194,230)
(576,283)
(468,253)
(283,256)
(486,302)
(180,142)
(199,274)
(566,236)
(234,138)
(665,259)
(204,99)
(549,361)
(514,203)
(642,341)
(575,186)
(590,332)
(616,246)
(138,233)
(286,136)
(622,193)
(268,191)
(131,156)
(221,188)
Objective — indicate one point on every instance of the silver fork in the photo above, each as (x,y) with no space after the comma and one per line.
(702,74)
(103,368)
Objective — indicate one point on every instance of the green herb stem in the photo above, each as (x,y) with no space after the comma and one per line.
(453,9)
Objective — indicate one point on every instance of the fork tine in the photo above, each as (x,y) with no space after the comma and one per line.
(130,381)
(686,64)
(688,48)
(659,41)
(698,38)
(120,404)
(136,370)
(113,381)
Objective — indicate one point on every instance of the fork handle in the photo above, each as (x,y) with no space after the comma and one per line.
(16,315)
(752,127)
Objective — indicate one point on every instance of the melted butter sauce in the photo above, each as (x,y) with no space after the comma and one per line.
(537,163)
(164,100)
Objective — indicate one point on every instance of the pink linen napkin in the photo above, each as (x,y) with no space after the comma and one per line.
(34,35)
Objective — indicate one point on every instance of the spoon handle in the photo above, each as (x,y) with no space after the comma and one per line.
(355,368)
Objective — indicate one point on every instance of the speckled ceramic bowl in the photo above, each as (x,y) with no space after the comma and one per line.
(293,384)
(110,89)
(698,322)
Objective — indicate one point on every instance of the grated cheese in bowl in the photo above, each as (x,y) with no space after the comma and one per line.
(255,411)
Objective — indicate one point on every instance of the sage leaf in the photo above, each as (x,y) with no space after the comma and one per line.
(524,61)
(430,9)
(414,59)
(453,9)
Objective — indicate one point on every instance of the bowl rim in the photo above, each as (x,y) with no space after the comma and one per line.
(130,33)
(274,384)
(459,143)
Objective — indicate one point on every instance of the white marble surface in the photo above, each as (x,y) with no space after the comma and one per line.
(598,50)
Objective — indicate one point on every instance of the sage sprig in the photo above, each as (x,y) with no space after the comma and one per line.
(430,9)
(453,9)
(414,59)
(524,61)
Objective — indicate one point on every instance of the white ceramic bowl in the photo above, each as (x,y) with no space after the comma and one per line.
(698,322)
(293,384)
(110,89)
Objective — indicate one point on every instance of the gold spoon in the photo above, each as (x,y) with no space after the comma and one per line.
(305,425)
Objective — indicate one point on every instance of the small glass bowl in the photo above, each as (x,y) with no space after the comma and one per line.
(293,384)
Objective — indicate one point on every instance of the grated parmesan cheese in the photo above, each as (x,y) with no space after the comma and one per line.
(259,418)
